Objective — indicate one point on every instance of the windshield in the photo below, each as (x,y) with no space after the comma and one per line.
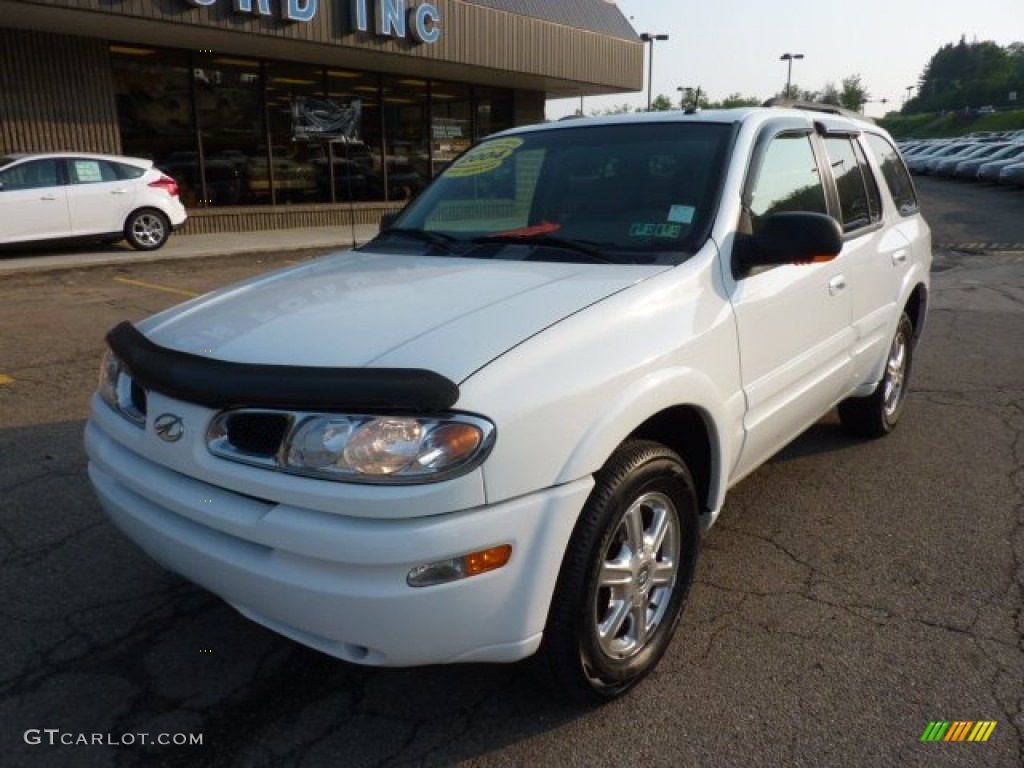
(639,193)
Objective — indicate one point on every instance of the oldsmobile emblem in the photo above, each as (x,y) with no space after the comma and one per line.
(169,427)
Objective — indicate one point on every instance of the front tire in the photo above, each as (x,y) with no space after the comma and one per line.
(625,577)
(147,230)
(877,414)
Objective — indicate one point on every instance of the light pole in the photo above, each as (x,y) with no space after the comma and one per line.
(788,58)
(907,98)
(650,37)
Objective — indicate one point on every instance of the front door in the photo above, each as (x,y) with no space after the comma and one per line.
(793,321)
(33,201)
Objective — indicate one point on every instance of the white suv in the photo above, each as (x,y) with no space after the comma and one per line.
(499,429)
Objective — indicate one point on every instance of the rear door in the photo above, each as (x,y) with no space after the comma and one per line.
(99,199)
(33,201)
(879,245)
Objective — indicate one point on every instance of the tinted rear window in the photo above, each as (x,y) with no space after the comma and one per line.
(895,174)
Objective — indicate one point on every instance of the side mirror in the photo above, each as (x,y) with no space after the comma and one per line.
(793,237)
(387,220)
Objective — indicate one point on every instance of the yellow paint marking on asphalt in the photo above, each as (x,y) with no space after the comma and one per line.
(155,287)
(5,379)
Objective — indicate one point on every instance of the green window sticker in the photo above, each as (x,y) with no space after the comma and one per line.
(642,229)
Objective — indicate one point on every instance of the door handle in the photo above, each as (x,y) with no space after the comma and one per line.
(118,191)
(837,285)
(899,257)
(48,197)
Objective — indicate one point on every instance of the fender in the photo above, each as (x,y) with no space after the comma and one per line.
(650,395)
(916,276)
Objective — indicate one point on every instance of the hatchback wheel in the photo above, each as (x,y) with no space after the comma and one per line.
(625,577)
(147,230)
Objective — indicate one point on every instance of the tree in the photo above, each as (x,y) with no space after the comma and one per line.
(618,109)
(792,92)
(968,74)
(829,94)
(662,103)
(736,100)
(854,94)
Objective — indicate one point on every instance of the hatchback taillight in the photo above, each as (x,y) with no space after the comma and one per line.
(166,183)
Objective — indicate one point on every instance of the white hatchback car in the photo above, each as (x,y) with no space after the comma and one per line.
(499,428)
(87,197)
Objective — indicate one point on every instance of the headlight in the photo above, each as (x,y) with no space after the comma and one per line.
(110,368)
(118,390)
(355,447)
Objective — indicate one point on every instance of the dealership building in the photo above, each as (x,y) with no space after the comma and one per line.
(278,113)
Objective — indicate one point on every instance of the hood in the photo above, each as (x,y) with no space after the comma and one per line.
(448,315)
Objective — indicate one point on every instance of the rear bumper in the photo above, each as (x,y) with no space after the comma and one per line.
(337,583)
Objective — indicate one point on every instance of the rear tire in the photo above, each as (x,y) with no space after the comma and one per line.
(147,230)
(877,414)
(625,577)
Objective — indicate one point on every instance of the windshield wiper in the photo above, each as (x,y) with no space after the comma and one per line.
(437,239)
(595,252)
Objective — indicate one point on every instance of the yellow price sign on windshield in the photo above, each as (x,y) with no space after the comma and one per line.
(484,157)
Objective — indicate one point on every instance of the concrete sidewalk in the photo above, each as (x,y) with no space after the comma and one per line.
(180,246)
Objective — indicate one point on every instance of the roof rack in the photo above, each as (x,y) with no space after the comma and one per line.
(817,106)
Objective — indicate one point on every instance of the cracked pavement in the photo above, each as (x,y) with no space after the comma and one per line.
(850,593)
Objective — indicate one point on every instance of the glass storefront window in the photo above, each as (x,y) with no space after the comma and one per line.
(293,91)
(232,136)
(407,143)
(451,125)
(492,111)
(238,131)
(357,159)
(154,105)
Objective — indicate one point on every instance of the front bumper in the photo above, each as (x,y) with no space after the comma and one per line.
(337,583)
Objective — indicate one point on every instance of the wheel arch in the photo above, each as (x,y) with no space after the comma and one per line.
(679,409)
(916,308)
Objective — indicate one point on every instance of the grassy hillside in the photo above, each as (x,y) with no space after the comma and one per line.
(951,124)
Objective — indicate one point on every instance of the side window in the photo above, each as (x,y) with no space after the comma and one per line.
(858,208)
(788,179)
(895,174)
(31,175)
(874,196)
(88,171)
(125,171)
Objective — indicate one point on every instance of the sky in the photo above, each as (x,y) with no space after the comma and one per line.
(729,46)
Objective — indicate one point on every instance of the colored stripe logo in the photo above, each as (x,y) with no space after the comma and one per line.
(958,730)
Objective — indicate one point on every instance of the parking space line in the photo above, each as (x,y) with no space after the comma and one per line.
(5,379)
(155,287)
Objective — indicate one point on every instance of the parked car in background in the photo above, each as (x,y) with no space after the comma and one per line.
(949,166)
(953,150)
(293,179)
(1012,174)
(990,169)
(968,167)
(222,176)
(60,196)
(916,160)
(500,428)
